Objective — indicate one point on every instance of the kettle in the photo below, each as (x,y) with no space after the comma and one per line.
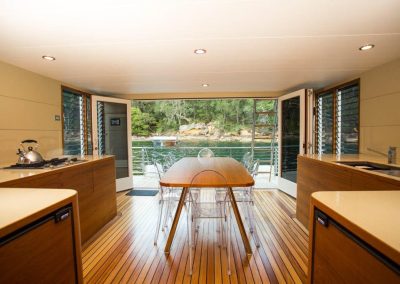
(30,156)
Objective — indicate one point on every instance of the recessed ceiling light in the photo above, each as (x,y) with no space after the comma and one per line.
(200,51)
(205,85)
(366,47)
(48,57)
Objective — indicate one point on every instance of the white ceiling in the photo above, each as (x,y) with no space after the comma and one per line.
(145,46)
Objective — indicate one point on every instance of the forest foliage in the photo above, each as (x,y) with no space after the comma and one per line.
(166,116)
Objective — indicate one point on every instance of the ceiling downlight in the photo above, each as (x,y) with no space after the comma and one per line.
(48,58)
(367,47)
(200,51)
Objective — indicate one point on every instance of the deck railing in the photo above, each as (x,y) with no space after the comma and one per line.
(144,155)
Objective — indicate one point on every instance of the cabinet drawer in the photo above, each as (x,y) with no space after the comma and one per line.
(341,257)
(42,252)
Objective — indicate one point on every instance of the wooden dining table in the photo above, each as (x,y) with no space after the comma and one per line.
(182,173)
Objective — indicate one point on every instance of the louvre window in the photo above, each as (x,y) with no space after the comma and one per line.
(77,123)
(347,119)
(337,120)
(324,113)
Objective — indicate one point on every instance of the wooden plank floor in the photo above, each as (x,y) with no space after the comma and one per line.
(123,252)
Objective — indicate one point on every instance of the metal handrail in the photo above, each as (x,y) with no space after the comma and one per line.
(144,154)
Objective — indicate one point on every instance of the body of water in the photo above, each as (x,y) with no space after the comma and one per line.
(144,152)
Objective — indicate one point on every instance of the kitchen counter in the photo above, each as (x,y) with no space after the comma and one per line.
(19,207)
(329,158)
(43,223)
(93,179)
(371,215)
(322,173)
(13,174)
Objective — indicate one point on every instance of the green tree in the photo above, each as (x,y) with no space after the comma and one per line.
(143,124)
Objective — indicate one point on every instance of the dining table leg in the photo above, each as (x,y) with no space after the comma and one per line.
(176,220)
(239,221)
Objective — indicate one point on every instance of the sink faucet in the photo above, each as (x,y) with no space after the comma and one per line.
(392,155)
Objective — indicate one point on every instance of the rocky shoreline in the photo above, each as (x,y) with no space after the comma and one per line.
(202,131)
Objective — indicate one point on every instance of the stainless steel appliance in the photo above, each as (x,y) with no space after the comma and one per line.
(29,155)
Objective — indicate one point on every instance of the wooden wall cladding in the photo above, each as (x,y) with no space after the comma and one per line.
(314,175)
(96,185)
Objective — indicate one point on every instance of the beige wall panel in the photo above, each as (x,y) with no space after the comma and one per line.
(381,111)
(16,113)
(379,107)
(28,104)
(379,138)
(49,143)
(381,80)
(19,83)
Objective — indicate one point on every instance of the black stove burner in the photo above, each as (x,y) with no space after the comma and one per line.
(40,165)
(57,161)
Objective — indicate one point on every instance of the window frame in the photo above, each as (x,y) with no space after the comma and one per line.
(334,90)
(85,114)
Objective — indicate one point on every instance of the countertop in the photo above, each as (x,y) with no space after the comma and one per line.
(371,215)
(20,206)
(349,157)
(330,158)
(13,174)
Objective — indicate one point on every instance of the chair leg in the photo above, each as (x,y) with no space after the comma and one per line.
(229,233)
(252,224)
(221,223)
(248,215)
(166,214)
(190,232)
(161,205)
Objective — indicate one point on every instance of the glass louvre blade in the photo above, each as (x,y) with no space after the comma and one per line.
(82,127)
(89,125)
(101,128)
(347,120)
(73,124)
(324,114)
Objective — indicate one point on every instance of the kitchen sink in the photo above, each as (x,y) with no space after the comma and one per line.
(395,173)
(374,167)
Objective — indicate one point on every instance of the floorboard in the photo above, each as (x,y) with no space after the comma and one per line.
(123,252)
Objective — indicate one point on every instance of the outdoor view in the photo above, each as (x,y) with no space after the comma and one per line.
(224,126)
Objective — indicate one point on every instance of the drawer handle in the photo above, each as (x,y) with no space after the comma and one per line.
(322,218)
(62,215)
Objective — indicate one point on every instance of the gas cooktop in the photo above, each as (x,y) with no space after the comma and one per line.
(53,163)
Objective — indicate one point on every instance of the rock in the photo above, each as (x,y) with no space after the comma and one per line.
(186,127)
(244,132)
(199,125)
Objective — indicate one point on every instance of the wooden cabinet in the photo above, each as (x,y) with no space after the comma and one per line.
(39,241)
(95,183)
(42,253)
(314,175)
(339,256)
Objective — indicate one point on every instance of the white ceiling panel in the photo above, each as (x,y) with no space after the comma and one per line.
(127,47)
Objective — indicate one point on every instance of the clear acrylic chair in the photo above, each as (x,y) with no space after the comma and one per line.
(205,153)
(245,196)
(167,198)
(248,161)
(199,205)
